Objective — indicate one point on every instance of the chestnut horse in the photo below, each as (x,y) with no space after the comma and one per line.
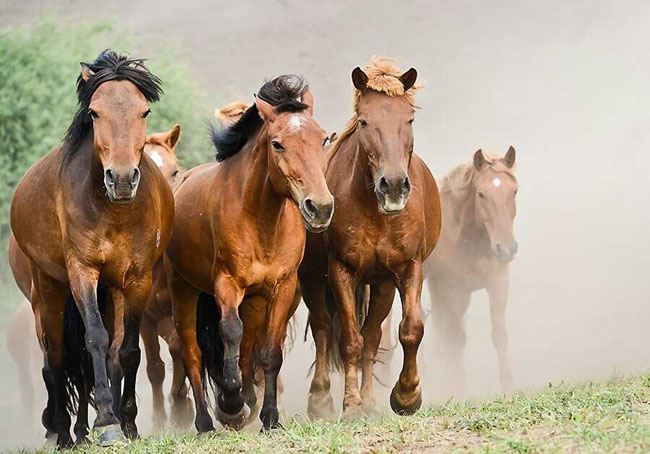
(474,252)
(238,241)
(386,223)
(101,224)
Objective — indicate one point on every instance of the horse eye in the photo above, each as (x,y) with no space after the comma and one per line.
(327,139)
(93,114)
(277,146)
(481,195)
(146,114)
(174,173)
(411,121)
(363,123)
(516,191)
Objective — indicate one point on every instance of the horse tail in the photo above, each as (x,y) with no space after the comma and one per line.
(208,337)
(362,299)
(78,365)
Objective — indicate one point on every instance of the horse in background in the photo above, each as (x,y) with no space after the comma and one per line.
(93,216)
(386,223)
(475,249)
(238,239)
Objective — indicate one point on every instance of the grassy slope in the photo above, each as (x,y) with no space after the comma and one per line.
(592,418)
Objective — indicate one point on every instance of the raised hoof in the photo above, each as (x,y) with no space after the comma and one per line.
(353,412)
(109,435)
(233,421)
(406,406)
(320,407)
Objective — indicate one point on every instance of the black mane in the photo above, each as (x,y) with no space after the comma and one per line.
(283,93)
(108,66)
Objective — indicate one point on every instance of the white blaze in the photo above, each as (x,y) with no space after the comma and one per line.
(155,156)
(496,182)
(295,122)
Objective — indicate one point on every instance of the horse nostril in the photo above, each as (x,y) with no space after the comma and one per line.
(134,177)
(310,208)
(110,177)
(406,185)
(383,185)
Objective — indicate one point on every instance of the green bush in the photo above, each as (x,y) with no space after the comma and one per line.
(38,73)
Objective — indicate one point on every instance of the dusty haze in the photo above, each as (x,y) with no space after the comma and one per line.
(568,85)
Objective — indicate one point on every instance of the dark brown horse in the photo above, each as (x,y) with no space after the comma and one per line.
(238,241)
(92,216)
(474,252)
(386,223)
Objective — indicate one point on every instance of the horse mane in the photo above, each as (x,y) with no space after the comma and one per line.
(108,66)
(462,177)
(283,93)
(383,77)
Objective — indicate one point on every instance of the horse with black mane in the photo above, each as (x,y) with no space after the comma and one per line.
(92,217)
(238,240)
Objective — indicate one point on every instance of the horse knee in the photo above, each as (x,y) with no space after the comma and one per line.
(271,360)
(130,357)
(97,340)
(351,348)
(411,331)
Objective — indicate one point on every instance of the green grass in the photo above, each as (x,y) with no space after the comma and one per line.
(591,418)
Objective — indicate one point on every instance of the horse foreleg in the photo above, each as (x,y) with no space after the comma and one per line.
(381,301)
(271,354)
(155,369)
(232,410)
(406,396)
(498,298)
(115,318)
(184,300)
(253,317)
(344,285)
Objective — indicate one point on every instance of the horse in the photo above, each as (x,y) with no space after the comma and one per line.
(100,225)
(237,242)
(386,223)
(474,252)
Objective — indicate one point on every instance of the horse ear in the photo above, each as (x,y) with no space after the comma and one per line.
(173,136)
(408,78)
(479,159)
(266,110)
(308,98)
(359,79)
(509,158)
(86,72)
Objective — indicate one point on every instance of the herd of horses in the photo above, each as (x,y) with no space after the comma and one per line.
(112,243)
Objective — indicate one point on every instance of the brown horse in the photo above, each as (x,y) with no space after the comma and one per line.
(387,221)
(237,243)
(474,252)
(161,148)
(94,215)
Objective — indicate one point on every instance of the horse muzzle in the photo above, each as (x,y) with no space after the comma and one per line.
(392,194)
(317,215)
(121,186)
(505,252)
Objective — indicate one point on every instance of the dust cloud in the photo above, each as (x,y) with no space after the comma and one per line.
(566,83)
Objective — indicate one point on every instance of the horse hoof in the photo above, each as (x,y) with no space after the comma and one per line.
(405,406)
(64,442)
(353,412)
(320,406)
(130,430)
(50,437)
(233,421)
(109,435)
(371,409)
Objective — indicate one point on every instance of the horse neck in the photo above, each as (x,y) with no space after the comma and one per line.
(85,170)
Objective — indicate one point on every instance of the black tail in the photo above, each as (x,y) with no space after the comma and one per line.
(208,317)
(362,298)
(78,365)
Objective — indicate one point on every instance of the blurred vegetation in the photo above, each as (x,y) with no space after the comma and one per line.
(38,72)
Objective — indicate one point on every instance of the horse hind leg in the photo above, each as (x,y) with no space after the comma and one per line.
(320,404)
(182,412)
(155,370)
